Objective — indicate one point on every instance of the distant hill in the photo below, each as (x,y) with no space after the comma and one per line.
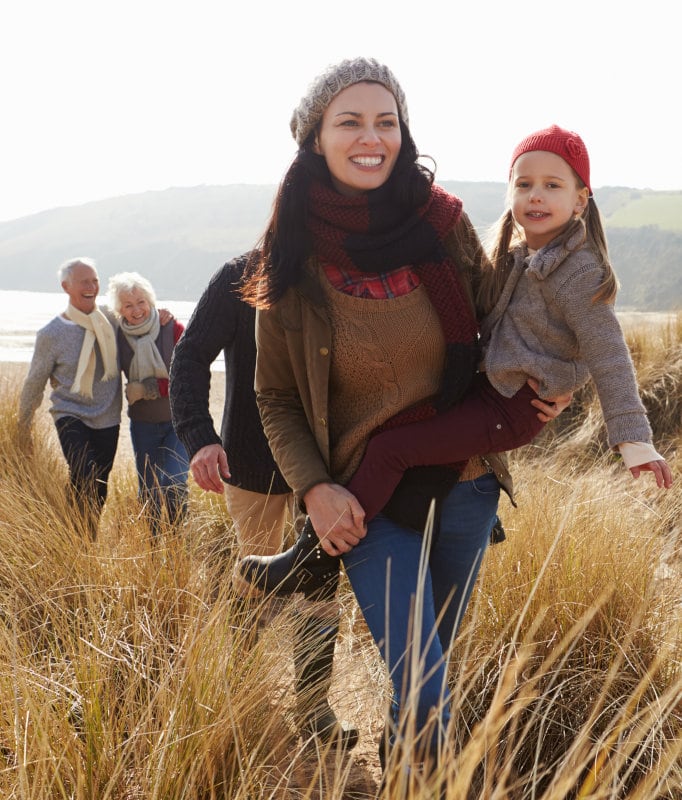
(179,236)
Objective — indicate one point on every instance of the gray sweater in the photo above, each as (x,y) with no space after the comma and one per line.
(546,326)
(55,358)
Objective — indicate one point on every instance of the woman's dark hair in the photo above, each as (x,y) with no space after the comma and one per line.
(279,259)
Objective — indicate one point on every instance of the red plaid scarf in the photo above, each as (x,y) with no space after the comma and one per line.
(369,234)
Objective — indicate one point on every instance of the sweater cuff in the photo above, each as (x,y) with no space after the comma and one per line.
(636,453)
(198,437)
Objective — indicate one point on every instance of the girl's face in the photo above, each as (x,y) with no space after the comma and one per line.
(135,308)
(545,196)
(360,138)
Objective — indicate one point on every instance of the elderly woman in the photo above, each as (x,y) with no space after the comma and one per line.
(145,347)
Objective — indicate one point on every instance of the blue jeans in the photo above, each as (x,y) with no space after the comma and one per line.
(89,453)
(162,468)
(384,573)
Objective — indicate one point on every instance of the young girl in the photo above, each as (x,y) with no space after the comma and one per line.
(553,322)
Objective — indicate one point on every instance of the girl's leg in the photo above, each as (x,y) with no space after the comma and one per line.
(484,422)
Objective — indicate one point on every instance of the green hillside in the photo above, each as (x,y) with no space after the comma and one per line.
(661,209)
(178,237)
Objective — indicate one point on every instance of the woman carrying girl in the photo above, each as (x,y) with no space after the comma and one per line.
(364,292)
(554,321)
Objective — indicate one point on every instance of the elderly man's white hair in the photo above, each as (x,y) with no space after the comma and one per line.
(66,269)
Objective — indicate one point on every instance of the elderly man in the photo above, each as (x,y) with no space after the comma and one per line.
(76,352)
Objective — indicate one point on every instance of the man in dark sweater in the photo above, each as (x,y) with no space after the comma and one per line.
(258,499)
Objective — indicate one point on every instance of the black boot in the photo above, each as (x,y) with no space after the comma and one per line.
(304,567)
(314,642)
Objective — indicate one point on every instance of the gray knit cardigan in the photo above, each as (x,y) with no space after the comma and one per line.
(55,358)
(546,326)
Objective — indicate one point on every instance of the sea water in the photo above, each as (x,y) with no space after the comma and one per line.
(22,314)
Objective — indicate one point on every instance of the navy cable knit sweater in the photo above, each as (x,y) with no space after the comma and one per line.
(223,321)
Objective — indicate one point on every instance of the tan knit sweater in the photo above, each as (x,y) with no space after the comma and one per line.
(386,356)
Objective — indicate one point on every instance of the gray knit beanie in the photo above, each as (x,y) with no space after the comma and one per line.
(335,79)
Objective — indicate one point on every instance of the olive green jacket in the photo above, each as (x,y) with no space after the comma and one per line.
(293,339)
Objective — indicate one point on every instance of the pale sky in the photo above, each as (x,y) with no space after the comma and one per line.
(104,98)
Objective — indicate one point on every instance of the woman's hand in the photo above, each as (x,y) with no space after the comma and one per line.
(661,470)
(550,408)
(337,516)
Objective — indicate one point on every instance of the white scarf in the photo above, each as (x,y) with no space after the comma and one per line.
(97,328)
(146,361)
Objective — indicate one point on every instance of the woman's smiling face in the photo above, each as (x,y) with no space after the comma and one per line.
(360,138)
(135,308)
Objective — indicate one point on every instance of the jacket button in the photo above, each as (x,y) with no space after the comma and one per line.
(323,422)
(324,351)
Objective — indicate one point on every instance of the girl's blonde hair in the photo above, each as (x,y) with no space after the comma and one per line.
(506,235)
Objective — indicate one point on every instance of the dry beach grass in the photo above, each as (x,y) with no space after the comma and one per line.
(125,671)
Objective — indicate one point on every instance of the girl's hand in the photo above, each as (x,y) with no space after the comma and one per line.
(550,408)
(337,516)
(661,470)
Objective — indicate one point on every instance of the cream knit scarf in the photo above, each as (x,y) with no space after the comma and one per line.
(146,361)
(97,328)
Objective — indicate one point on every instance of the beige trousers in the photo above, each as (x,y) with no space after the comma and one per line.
(262,523)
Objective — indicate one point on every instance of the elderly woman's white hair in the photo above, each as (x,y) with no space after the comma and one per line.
(65,270)
(127,282)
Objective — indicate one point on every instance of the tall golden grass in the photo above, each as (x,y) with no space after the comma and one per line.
(128,670)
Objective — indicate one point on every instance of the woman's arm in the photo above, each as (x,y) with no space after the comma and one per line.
(337,517)
(178,330)
(550,408)
(286,424)
(297,431)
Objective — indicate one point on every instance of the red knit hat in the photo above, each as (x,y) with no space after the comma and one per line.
(564,143)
